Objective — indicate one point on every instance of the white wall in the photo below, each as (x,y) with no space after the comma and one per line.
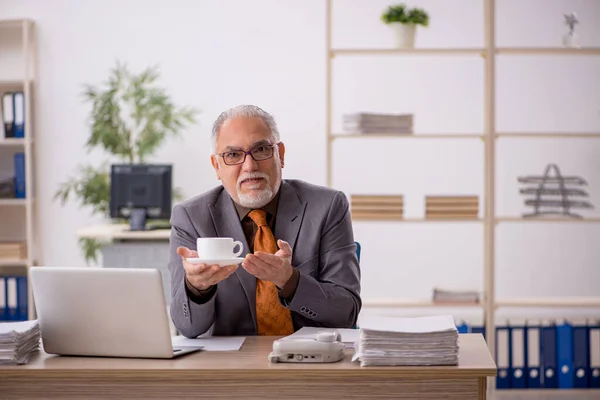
(215,54)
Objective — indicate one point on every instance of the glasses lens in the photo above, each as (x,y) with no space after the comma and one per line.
(262,152)
(233,157)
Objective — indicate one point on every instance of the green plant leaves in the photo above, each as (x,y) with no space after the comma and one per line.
(130,118)
(91,186)
(401,13)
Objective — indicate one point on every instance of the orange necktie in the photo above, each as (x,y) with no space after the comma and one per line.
(272,318)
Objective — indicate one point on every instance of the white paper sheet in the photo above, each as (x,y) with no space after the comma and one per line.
(211,343)
(436,323)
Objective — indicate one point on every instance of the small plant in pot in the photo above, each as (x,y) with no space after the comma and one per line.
(403,21)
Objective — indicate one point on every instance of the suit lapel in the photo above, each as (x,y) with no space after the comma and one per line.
(290,212)
(227,224)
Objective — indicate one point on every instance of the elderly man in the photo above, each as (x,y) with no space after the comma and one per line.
(300,266)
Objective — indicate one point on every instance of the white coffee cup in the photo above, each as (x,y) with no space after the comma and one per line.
(218,248)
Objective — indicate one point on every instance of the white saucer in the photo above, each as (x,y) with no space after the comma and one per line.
(222,262)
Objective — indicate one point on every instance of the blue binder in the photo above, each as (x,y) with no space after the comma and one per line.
(19,161)
(581,356)
(564,355)
(517,359)
(533,359)
(548,353)
(22,299)
(478,329)
(503,356)
(594,369)
(462,327)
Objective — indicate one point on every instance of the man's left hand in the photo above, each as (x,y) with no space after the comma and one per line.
(276,268)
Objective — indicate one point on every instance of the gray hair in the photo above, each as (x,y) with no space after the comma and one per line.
(243,111)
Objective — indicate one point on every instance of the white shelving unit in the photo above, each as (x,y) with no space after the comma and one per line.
(490,220)
(18,72)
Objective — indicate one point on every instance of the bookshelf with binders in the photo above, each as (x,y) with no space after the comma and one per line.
(17,164)
(493,59)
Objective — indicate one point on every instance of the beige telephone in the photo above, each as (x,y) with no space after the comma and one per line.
(327,348)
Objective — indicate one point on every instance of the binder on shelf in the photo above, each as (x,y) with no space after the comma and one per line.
(479,329)
(19,114)
(3,300)
(463,327)
(594,369)
(581,355)
(503,355)
(548,353)
(22,299)
(564,355)
(11,298)
(517,364)
(532,360)
(8,115)
(20,185)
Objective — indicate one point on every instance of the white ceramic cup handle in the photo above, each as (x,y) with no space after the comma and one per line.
(237,242)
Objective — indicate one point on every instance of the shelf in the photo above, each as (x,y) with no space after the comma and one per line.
(547,219)
(13,142)
(550,302)
(12,84)
(13,202)
(440,51)
(406,136)
(14,263)
(550,135)
(13,23)
(418,220)
(547,50)
(391,303)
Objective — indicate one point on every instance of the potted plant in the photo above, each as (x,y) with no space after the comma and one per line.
(130,119)
(403,22)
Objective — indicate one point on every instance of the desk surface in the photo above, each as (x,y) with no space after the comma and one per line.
(246,374)
(121,232)
(474,361)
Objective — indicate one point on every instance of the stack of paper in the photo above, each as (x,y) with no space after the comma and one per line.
(455,296)
(407,341)
(364,122)
(18,341)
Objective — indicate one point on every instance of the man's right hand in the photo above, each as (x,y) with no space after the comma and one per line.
(202,276)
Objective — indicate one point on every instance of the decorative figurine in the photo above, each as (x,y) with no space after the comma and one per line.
(570,39)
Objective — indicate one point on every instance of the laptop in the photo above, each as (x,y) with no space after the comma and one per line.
(106,312)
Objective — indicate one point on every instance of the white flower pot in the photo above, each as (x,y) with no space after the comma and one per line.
(404,34)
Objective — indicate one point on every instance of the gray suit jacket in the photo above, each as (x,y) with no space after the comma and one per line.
(314,220)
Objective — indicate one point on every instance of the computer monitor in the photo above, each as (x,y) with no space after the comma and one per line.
(139,192)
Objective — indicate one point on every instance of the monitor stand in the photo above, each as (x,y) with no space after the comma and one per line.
(137,219)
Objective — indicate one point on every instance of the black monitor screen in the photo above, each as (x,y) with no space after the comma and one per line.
(141,188)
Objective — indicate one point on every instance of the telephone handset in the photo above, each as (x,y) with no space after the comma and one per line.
(327,348)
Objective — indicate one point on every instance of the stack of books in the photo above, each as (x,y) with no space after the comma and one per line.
(18,341)
(455,296)
(377,207)
(451,207)
(387,341)
(378,123)
(13,250)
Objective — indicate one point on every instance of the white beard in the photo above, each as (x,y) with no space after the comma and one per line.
(257,199)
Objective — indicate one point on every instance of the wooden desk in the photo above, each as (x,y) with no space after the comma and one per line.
(246,374)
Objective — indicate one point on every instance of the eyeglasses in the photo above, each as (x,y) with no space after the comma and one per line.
(259,153)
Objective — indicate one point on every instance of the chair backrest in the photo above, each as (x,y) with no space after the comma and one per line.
(358,248)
